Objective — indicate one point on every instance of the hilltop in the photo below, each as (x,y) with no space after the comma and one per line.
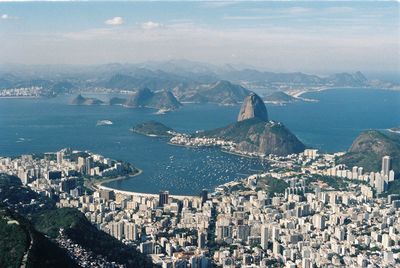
(254,133)
(145,98)
(221,92)
(369,147)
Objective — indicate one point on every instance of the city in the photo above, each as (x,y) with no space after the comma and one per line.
(291,215)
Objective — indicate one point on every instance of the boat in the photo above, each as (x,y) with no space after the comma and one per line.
(104,123)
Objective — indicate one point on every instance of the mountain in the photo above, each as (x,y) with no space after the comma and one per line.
(347,79)
(222,92)
(153,128)
(368,149)
(142,78)
(157,100)
(42,218)
(279,97)
(253,133)
(270,77)
(253,107)
(80,100)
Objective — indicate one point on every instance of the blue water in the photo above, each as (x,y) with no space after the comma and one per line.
(40,125)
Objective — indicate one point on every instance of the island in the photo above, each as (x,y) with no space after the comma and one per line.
(80,100)
(153,129)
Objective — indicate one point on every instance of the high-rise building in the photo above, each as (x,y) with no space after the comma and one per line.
(386,165)
(88,165)
(319,221)
(391,175)
(60,157)
(202,239)
(264,237)
(146,247)
(204,196)
(379,183)
(163,198)
(199,261)
(131,231)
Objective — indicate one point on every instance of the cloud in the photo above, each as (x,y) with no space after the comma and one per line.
(115,21)
(7,17)
(150,25)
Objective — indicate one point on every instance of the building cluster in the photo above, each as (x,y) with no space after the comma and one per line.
(34,91)
(378,180)
(248,223)
(186,140)
(60,172)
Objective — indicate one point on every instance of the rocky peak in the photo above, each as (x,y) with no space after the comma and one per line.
(253,107)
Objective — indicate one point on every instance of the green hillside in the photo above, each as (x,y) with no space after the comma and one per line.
(42,217)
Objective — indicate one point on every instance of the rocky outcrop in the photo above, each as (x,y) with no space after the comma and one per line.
(253,107)
(257,136)
(253,133)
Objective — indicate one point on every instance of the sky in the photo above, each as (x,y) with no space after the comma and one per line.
(317,37)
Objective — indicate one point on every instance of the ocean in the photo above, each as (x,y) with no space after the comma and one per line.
(42,125)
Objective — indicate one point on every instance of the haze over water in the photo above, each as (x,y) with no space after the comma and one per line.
(40,125)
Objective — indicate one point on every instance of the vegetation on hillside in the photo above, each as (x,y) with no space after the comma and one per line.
(153,128)
(368,149)
(272,185)
(48,220)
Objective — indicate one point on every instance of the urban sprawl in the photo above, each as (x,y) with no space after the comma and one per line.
(245,223)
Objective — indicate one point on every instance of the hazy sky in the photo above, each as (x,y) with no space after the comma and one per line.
(277,36)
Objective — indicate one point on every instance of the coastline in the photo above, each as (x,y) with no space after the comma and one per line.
(298,93)
(99,186)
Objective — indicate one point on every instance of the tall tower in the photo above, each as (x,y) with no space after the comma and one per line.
(204,196)
(264,237)
(163,198)
(386,165)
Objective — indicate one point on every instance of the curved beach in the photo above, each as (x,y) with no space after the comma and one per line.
(99,186)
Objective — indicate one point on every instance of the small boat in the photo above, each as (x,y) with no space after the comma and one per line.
(104,123)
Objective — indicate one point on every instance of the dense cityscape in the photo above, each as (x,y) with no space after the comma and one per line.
(294,215)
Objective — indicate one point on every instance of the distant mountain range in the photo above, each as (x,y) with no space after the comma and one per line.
(188,81)
(144,98)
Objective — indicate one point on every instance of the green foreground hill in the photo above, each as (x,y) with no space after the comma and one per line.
(41,217)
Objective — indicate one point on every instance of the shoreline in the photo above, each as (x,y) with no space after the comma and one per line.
(298,93)
(99,186)
(101,181)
